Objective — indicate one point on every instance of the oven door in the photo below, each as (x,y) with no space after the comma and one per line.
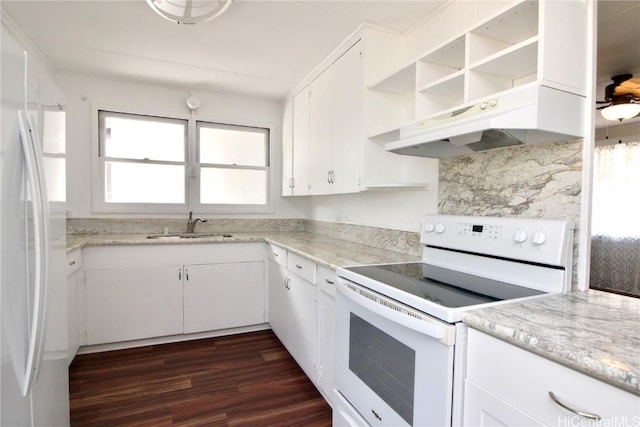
(394,365)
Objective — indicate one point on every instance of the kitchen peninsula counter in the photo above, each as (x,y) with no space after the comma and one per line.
(327,251)
(593,332)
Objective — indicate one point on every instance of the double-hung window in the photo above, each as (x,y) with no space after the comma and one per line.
(234,164)
(143,160)
(149,164)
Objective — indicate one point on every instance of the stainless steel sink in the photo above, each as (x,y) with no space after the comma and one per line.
(186,236)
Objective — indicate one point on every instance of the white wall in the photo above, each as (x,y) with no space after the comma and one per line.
(398,210)
(86,95)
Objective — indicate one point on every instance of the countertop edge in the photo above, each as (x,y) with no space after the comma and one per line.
(619,378)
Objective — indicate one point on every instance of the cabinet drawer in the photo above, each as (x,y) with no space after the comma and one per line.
(278,254)
(525,380)
(326,279)
(74,262)
(302,266)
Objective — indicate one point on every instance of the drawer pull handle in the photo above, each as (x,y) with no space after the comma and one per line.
(575,411)
(72,263)
(329,281)
(298,266)
(275,254)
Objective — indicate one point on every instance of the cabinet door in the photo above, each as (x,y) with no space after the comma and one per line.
(226,295)
(482,408)
(301,105)
(132,303)
(278,301)
(326,344)
(320,133)
(74,283)
(287,149)
(303,324)
(347,122)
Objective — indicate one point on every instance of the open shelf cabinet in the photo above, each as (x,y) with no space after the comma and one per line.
(502,53)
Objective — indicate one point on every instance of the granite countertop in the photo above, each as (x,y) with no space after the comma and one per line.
(324,250)
(594,332)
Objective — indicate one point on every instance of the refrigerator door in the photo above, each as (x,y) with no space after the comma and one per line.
(15,281)
(33,283)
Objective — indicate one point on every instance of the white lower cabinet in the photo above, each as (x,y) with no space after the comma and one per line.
(483,408)
(508,386)
(303,324)
(326,280)
(226,295)
(139,292)
(293,315)
(75,284)
(126,304)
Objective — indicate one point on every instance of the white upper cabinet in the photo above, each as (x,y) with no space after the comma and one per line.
(287,148)
(513,47)
(330,149)
(336,131)
(300,143)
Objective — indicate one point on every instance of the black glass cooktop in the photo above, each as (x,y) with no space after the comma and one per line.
(446,287)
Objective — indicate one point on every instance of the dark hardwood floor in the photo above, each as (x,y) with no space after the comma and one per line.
(241,380)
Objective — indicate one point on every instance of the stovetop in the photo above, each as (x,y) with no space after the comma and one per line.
(445,287)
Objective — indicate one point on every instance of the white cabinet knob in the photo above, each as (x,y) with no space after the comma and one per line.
(520,236)
(439,228)
(538,238)
(429,227)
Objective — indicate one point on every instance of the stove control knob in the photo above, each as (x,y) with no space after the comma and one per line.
(520,236)
(538,238)
(439,228)
(429,227)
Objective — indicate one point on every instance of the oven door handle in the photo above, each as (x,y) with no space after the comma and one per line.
(426,325)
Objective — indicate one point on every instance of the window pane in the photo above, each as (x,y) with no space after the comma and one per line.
(233,186)
(143,183)
(233,146)
(53,132)
(144,138)
(55,170)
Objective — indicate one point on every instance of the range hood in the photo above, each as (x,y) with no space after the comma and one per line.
(523,116)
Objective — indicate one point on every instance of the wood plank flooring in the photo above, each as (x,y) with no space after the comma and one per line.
(240,380)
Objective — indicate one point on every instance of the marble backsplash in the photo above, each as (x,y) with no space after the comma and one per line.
(393,240)
(535,181)
(383,238)
(158,225)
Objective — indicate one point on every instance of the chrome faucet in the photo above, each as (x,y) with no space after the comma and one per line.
(191,223)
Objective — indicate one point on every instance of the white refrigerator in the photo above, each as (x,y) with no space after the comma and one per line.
(33,292)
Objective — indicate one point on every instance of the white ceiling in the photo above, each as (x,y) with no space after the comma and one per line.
(257,47)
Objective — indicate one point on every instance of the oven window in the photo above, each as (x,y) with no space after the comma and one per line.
(384,364)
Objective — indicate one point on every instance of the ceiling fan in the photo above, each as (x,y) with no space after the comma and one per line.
(622,98)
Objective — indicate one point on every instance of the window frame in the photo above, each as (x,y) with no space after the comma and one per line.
(101,204)
(231,208)
(192,170)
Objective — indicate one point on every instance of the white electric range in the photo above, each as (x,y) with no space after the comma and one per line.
(399,340)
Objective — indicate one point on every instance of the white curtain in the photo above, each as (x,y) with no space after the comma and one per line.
(615,242)
(616,191)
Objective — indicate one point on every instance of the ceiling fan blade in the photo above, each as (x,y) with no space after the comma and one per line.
(629,87)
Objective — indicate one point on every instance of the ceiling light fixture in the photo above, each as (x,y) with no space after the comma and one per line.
(189,11)
(621,111)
